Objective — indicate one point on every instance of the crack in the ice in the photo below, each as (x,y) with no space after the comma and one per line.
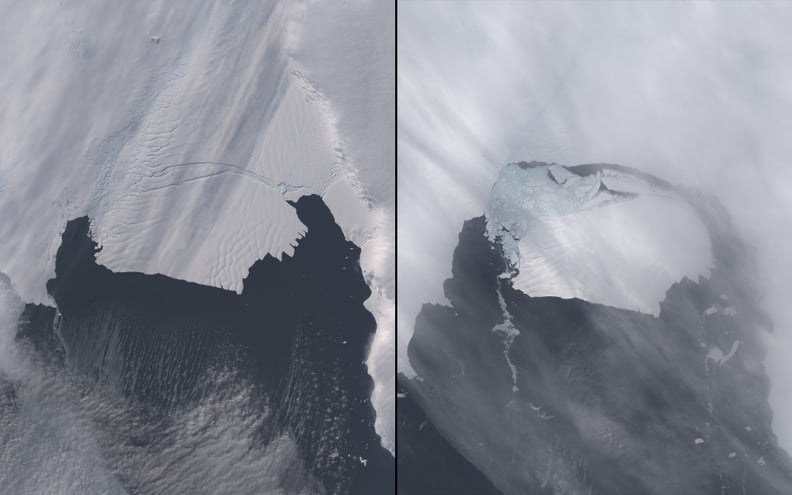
(283,186)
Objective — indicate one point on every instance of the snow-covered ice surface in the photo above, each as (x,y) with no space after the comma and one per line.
(608,237)
(183,127)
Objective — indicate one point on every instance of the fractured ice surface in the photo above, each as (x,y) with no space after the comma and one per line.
(608,237)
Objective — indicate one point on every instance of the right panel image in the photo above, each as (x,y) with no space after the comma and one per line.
(594,212)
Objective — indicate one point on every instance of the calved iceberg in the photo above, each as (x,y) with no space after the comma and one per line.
(600,233)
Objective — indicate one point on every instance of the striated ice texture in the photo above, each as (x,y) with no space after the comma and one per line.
(183,127)
(602,235)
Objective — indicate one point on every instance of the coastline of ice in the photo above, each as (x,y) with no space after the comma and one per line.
(608,238)
(214,113)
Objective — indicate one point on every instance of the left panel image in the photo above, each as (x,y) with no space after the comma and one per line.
(197,247)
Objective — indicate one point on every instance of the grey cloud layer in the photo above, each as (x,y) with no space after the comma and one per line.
(699,94)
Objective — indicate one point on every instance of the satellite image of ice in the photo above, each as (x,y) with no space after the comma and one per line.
(197,247)
(594,203)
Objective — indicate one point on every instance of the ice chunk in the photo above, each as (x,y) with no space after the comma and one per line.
(567,236)
(508,332)
(728,311)
(716,354)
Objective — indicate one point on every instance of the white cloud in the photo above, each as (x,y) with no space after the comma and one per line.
(697,93)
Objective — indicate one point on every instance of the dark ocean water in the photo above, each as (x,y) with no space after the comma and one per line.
(602,400)
(184,388)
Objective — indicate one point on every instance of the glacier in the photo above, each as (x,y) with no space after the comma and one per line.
(600,234)
(214,113)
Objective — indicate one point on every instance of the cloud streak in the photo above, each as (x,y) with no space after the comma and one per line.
(697,93)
